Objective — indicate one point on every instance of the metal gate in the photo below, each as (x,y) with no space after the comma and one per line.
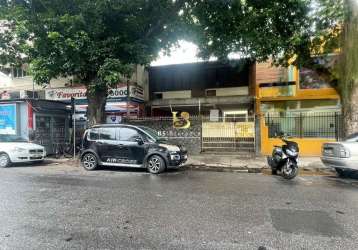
(50,131)
(234,136)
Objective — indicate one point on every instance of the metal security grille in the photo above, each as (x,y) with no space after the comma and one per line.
(228,135)
(50,132)
(306,125)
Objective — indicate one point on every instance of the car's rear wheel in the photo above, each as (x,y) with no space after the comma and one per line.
(89,161)
(155,164)
(4,160)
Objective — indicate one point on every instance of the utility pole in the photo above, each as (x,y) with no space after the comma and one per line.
(128,99)
(33,88)
(73,111)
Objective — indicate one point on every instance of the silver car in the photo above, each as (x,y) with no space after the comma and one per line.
(341,155)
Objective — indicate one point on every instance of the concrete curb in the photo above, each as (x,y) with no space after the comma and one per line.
(254,170)
(218,168)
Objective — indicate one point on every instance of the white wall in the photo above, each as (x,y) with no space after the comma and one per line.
(232,91)
(25,83)
(141,77)
(176,94)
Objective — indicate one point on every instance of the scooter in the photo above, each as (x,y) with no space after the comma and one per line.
(284,159)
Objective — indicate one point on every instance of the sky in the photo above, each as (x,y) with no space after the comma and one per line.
(185,53)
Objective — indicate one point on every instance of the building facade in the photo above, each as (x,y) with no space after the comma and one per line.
(299,103)
(208,88)
(16,83)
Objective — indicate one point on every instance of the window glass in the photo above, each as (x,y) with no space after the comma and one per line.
(107,134)
(128,134)
(94,134)
(310,79)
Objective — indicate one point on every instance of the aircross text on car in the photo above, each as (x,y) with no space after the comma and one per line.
(129,146)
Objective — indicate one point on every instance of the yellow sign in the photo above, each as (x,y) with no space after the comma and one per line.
(181,120)
(228,129)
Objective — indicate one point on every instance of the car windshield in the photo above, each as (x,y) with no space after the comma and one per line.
(152,133)
(12,138)
(352,137)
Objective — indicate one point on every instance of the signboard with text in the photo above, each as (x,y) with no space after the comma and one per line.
(65,94)
(8,119)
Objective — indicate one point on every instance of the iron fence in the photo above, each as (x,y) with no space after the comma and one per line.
(306,125)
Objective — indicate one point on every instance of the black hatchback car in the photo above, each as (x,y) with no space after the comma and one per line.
(129,146)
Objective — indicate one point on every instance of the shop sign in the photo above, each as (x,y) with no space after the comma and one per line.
(65,94)
(181,120)
(8,119)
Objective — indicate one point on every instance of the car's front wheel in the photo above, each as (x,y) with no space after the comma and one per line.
(89,161)
(4,160)
(155,164)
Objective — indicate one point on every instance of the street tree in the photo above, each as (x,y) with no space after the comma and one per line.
(96,42)
(291,32)
(348,66)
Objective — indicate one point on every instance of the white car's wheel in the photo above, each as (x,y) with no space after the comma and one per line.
(4,160)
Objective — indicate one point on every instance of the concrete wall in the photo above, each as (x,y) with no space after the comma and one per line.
(25,83)
(176,94)
(141,77)
(231,91)
(23,120)
(189,138)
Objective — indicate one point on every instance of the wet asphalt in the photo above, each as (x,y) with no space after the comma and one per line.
(65,207)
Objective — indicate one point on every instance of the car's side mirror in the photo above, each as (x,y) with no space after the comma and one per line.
(139,140)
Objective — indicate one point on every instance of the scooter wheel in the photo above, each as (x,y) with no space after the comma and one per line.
(289,172)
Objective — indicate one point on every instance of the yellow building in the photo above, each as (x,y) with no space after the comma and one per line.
(299,103)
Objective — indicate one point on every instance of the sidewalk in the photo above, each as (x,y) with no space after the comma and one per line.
(230,163)
(234,163)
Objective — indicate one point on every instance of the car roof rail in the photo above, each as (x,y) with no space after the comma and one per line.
(109,125)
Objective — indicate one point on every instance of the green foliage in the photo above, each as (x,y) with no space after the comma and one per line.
(288,32)
(255,29)
(97,42)
(76,37)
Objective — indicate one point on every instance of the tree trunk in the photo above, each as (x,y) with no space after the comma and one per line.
(351,112)
(96,106)
(349,68)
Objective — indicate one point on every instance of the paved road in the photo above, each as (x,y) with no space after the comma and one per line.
(62,207)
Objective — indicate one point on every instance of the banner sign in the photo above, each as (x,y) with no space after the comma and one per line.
(8,119)
(65,94)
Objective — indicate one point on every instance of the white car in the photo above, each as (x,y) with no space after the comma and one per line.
(14,149)
(341,155)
